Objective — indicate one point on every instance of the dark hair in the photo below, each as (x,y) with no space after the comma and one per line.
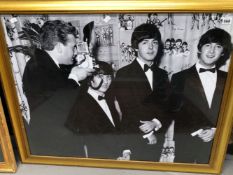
(184,43)
(172,40)
(149,14)
(55,31)
(87,30)
(178,40)
(168,40)
(221,37)
(104,68)
(147,31)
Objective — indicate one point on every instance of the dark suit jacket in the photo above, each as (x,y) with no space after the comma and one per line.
(135,96)
(191,112)
(50,95)
(138,102)
(42,78)
(88,119)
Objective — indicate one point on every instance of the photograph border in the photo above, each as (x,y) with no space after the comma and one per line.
(72,7)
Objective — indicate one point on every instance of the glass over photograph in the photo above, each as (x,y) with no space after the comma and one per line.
(135,87)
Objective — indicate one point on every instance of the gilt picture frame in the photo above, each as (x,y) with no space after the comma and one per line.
(8,163)
(115,24)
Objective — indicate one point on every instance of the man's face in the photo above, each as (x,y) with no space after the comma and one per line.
(184,47)
(69,50)
(167,45)
(178,44)
(147,50)
(210,53)
(173,43)
(107,79)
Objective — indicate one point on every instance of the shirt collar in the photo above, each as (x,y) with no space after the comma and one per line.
(141,63)
(93,93)
(54,60)
(198,66)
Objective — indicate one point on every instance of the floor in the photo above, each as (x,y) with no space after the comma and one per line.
(29,169)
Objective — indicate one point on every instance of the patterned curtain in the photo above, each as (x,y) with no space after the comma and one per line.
(18,62)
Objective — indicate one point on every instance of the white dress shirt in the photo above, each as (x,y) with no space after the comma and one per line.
(209,81)
(149,73)
(102,103)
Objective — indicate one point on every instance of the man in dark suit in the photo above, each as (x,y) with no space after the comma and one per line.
(139,88)
(94,116)
(196,98)
(51,91)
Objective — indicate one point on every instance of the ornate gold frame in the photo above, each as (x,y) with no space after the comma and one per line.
(9,164)
(114,6)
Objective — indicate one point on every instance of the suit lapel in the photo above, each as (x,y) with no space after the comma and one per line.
(140,79)
(197,95)
(221,79)
(196,86)
(114,113)
(54,72)
(47,61)
(218,94)
(100,112)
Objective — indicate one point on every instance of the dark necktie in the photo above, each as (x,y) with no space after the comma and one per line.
(101,97)
(204,70)
(146,67)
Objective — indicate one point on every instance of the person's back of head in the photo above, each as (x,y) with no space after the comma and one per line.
(87,31)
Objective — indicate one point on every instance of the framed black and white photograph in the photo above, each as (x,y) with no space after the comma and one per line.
(139,88)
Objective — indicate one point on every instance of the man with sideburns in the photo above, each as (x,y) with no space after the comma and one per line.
(196,98)
(139,88)
(95,118)
(51,91)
